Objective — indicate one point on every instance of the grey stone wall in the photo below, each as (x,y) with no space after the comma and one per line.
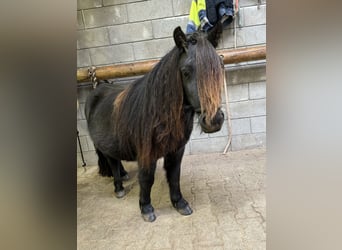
(121,31)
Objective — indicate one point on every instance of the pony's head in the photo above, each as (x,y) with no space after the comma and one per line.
(202,75)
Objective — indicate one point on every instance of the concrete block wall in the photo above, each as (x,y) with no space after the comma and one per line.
(121,31)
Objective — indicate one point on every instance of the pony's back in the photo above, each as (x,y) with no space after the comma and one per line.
(98,96)
(99,111)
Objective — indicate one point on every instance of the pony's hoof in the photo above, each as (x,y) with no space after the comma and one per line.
(182,206)
(147,212)
(125,177)
(120,194)
(185,211)
(149,217)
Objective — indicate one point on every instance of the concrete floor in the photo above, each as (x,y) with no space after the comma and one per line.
(226,193)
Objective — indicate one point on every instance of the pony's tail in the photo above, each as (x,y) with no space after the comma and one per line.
(104,167)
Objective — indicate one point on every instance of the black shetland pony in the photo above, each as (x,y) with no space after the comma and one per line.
(153,117)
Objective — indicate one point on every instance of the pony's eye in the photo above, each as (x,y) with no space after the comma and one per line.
(186,74)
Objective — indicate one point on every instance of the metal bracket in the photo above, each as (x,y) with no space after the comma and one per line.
(92,75)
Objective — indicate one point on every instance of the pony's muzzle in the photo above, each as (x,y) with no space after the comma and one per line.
(214,125)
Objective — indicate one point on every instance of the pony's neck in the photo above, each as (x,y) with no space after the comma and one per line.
(164,82)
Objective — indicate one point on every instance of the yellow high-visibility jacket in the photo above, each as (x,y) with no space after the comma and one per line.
(196,7)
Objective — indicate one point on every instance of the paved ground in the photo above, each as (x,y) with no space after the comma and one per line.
(226,193)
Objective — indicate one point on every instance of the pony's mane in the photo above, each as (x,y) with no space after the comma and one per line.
(150,111)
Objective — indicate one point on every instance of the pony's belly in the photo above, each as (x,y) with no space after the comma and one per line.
(121,153)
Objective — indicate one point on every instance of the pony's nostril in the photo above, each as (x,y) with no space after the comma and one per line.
(203,118)
(221,114)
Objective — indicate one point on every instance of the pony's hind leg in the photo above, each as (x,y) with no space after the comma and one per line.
(172,164)
(104,167)
(146,180)
(123,173)
(116,167)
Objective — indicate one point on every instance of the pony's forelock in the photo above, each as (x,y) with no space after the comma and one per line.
(209,78)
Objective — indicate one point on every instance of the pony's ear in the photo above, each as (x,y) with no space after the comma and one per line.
(214,34)
(180,38)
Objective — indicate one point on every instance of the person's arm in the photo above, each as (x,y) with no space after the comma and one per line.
(202,14)
(201,9)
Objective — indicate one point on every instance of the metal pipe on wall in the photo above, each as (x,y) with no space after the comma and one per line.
(140,68)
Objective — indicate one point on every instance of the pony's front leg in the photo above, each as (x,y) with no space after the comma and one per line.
(146,180)
(172,164)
